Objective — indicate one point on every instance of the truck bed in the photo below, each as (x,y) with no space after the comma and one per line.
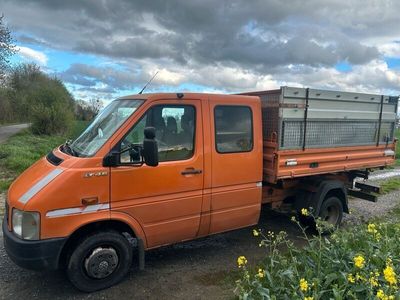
(308,131)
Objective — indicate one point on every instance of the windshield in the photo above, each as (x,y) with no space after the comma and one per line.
(104,126)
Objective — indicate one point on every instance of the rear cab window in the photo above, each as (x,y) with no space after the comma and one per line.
(233,129)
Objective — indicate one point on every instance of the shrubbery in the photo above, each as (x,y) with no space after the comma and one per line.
(43,100)
(357,263)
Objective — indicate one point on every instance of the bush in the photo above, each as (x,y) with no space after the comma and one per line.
(358,263)
(43,100)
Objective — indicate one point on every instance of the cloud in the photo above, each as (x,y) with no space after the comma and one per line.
(219,45)
(33,55)
(391,49)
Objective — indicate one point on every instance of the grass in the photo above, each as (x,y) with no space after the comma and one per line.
(390,185)
(397,135)
(23,149)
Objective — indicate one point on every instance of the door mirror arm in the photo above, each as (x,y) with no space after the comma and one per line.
(112,159)
(148,152)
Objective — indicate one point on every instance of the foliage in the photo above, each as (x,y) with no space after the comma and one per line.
(397,135)
(358,263)
(23,149)
(7,47)
(390,185)
(40,99)
(87,110)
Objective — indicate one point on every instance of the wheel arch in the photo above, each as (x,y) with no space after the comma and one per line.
(117,223)
(322,190)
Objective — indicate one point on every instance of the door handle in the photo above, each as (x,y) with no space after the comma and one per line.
(191,171)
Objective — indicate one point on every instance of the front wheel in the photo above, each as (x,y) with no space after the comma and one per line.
(99,261)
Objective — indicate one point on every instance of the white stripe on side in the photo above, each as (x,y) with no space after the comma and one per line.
(258,184)
(40,185)
(77,210)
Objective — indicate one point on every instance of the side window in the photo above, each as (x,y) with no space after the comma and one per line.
(233,129)
(175,132)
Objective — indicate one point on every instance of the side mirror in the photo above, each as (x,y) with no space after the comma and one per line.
(150,147)
(111,160)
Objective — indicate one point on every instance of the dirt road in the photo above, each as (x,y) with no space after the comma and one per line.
(9,130)
(201,269)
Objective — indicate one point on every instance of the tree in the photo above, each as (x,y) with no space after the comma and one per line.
(87,110)
(7,48)
(41,99)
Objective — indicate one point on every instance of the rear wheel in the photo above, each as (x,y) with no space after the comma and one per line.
(99,261)
(332,211)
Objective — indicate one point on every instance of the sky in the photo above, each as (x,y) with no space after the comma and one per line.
(106,49)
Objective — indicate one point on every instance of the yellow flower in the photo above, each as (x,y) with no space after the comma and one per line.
(350,278)
(304,212)
(303,285)
(261,273)
(308,298)
(378,237)
(241,261)
(255,232)
(359,277)
(380,294)
(373,281)
(359,261)
(372,228)
(390,275)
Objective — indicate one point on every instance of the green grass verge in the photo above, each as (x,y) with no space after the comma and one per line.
(390,185)
(397,135)
(23,149)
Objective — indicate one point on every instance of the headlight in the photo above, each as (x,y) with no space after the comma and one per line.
(26,224)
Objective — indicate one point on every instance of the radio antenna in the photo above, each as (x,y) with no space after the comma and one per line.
(148,82)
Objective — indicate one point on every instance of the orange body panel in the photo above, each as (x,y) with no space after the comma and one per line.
(323,160)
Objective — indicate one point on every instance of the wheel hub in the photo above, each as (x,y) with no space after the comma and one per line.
(330,214)
(102,262)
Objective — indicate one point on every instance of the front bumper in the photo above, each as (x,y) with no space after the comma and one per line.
(35,255)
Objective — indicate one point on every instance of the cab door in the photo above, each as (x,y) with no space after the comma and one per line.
(236,163)
(166,200)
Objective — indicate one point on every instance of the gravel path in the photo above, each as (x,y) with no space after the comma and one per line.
(362,210)
(9,130)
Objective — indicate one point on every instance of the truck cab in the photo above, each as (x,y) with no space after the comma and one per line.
(150,170)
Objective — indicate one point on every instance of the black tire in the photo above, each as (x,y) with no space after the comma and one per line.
(331,211)
(99,250)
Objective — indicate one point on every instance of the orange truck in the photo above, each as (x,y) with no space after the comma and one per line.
(157,169)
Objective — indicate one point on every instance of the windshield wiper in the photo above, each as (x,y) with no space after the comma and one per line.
(68,148)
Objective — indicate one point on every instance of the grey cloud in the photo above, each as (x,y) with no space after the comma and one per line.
(89,76)
(205,31)
(287,39)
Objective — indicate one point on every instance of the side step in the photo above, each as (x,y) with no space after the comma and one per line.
(365,191)
(362,195)
(368,187)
